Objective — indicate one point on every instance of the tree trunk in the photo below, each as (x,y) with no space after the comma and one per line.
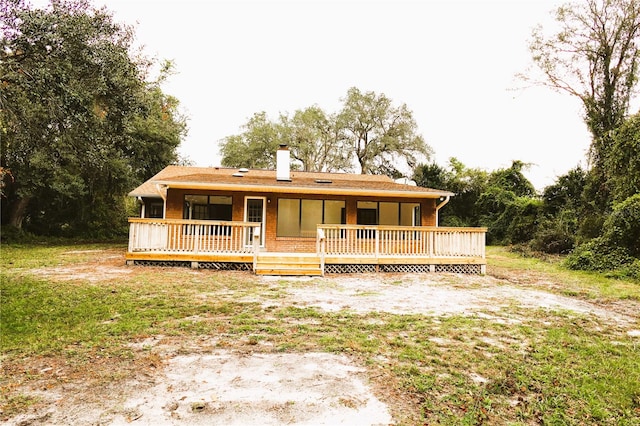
(17,211)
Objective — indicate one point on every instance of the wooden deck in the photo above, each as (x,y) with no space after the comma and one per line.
(339,248)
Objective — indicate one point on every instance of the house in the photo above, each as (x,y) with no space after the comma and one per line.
(287,222)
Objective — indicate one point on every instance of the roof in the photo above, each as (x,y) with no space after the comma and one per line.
(257,180)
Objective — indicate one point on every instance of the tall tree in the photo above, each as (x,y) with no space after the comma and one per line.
(316,141)
(593,56)
(382,136)
(157,130)
(623,164)
(71,102)
(255,147)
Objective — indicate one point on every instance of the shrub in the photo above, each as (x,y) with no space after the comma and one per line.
(553,238)
(622,227)
(557,234)
(598,255)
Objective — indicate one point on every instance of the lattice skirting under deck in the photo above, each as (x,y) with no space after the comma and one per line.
(163,263)
(218,266)
(420,269)
(329,268)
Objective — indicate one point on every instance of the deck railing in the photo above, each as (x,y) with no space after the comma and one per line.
(191,236)
(380,241)
(205,236)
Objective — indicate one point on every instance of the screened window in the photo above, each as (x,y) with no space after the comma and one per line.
(300,217)
(388,213)
(208,207)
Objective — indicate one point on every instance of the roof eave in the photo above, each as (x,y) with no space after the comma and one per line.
(303,189)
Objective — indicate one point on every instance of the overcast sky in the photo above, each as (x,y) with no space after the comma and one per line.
(453,63)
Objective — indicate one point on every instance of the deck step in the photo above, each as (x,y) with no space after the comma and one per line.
(288,265)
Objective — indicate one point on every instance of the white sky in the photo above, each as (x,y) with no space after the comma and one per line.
(453,63)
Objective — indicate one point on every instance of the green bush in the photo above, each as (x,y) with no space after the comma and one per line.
(598,255)
(556,234)
(553,238)
(622,227)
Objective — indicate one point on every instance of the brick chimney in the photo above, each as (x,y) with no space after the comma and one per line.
(283,166)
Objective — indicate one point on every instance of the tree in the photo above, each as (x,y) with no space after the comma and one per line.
(508,206)
(594,56)
(565,192)
(157,131)
(431,175)
(467,183)
(315,141)
(562,213)
(255,147)
(381,135)
(623,163)
(512,179)
(73,107)
(368,130)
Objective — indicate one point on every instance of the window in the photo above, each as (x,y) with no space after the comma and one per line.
(155,210)
(388,213)
(300,217)
(208,207)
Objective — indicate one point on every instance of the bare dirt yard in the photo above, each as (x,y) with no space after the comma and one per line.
(173,380)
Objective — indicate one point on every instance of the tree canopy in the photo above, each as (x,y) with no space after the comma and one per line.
(80,124)
(381,135)
(594,55)
(368,134)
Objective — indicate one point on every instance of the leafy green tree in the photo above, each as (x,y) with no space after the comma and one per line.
(432,175)
(255,147)
(562,216)
(467,183)
(565,192)
(315,141)
(157,130)
(623,164)
(618,248)
(512,179)
(382,137)
(594,56)
(368,131)
(508,206)
(73,108)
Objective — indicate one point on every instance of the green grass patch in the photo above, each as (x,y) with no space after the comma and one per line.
(591,285)
(534,366)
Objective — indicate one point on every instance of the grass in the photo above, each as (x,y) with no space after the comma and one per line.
(589,285)
(540,367)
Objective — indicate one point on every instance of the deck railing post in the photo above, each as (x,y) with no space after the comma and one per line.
(321,248)
(132,236)
(196,238)
(432,243)
(377,242)
(256,246)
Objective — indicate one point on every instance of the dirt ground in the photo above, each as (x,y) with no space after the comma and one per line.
(197,382)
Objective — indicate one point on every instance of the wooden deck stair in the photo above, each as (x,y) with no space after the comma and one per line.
(288,264)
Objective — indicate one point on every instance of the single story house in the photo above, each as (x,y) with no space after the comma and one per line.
(287,222)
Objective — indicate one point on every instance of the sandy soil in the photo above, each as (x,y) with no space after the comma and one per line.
(203,384)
